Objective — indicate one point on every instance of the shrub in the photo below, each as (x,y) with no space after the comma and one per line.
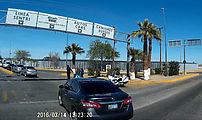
(174,68)
(113,70)
(165,72)
(158,71)
(91,71)
(151,72)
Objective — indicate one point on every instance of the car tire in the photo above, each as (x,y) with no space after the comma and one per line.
(60,100)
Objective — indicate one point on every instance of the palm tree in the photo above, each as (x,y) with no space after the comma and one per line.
(154,33)
(74,49)
(144,32)
(22,55)
(136,55)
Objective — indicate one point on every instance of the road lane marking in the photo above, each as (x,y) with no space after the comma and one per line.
(165,81)
(37,102)
(5,96)
(14,94)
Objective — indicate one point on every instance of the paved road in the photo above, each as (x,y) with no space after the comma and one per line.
(176,101)
(23,100)
(41,75)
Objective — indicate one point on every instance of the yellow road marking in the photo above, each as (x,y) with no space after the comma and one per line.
(50,69)
(165,81)
(7,71)
(5,96)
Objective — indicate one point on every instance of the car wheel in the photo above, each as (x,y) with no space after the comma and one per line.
(60,100)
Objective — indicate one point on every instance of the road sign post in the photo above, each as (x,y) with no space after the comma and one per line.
(186,42)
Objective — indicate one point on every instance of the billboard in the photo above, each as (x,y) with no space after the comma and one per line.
(174,43)
(54,22)
(21,17)
(194,42)
(79,26)
(103,31)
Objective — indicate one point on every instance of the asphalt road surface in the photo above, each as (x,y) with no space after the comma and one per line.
(37,99)
(42,75)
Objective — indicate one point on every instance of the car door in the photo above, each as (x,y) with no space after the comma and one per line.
(66,94)
(74,98)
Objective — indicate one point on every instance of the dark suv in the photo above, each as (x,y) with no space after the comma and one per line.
(89,98)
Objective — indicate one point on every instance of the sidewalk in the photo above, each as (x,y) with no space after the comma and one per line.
(163,79)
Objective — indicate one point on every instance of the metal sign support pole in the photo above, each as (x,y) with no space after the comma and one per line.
(113,63)
(184,58)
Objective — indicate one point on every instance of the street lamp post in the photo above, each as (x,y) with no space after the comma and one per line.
(165,38)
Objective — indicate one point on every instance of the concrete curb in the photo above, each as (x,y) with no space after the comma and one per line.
(165,81)
(7,71)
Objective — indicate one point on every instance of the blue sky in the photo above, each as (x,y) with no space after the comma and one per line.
(183,21)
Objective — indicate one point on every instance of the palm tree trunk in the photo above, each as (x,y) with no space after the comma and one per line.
(132,68)
(132,65)
(149,57)
(73,60)
(145,59)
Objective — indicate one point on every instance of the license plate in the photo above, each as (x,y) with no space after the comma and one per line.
(113,106)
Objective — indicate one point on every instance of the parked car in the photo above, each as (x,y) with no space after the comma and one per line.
(118,80)
(6,64)
(17,68)
(29,71)
(95,98)
(10,67)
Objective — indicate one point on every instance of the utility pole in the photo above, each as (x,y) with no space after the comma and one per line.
(165,38)
(113,64)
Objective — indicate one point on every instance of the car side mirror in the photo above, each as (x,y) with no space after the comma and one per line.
(61,86)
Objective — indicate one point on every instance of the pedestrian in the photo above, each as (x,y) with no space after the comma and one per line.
(81,72)
(69,70)
(74,71)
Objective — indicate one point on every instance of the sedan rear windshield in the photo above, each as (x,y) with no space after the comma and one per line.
(30,67)
(99,87)
(20,65)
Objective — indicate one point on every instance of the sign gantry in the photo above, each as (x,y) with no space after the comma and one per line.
(185,42)
(32,19)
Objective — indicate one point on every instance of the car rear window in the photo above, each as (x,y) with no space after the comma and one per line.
(99,87)
(30,67)
(20,65)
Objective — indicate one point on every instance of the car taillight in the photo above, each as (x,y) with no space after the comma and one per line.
(127,101)
(87,104)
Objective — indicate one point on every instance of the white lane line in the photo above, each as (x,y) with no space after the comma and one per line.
(37,102)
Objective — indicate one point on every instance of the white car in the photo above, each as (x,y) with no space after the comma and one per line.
(118,79)
(6,64)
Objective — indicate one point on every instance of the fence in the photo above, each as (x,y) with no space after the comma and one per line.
(85,64)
